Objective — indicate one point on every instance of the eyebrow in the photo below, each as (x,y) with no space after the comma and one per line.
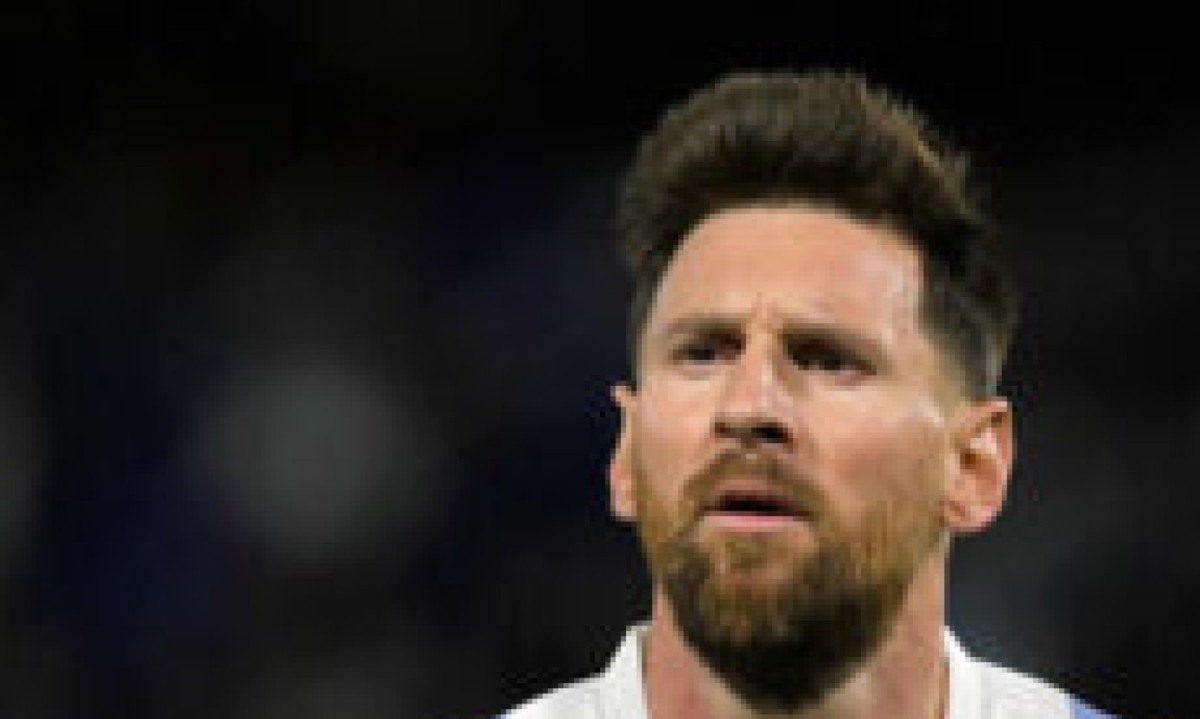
(701,324)
(793,330)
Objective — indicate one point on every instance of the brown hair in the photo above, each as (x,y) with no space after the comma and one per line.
(830,139)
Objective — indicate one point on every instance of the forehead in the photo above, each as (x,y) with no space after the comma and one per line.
(802,263)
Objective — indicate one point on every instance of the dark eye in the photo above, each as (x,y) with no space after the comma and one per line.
(707,349)
(826,357)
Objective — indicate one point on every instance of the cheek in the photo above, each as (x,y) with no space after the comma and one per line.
(670,433)
(658,515)
(874,457)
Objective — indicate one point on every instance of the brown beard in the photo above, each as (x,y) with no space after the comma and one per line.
(785,644)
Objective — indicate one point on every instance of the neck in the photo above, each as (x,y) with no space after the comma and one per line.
(905,679)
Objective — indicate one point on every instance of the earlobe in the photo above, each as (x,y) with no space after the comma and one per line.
(982,466)
(622,495)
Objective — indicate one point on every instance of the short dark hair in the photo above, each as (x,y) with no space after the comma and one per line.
(826,138)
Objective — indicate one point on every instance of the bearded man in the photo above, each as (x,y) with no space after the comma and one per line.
(820,320)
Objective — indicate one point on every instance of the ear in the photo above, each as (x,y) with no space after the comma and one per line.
(981,466)
(622,492)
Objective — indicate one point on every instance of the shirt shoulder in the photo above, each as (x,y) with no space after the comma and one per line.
(1080,710)
(577,700)
(615,693)
(1015,695)
(980,689)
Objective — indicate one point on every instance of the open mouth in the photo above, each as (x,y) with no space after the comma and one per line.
(756,504)
(753,507)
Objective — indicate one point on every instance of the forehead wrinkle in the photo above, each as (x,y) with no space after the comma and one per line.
(887,308)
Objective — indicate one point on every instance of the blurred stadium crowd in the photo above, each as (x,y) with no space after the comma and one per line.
(309,316)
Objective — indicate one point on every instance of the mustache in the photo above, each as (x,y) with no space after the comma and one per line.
(705,485)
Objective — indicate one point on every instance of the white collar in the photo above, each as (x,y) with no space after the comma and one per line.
(964,698)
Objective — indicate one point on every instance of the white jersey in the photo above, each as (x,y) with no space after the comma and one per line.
(978,690)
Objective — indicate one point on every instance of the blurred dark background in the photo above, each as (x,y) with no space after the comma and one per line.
(310,311)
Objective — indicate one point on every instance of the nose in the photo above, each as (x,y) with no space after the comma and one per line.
(753,407)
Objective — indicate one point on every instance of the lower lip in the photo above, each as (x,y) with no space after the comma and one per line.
(746,522)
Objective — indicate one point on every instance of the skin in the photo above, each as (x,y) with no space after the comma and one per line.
(794,333)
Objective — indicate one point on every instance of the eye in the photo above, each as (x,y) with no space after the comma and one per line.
(707,348)
(827,357)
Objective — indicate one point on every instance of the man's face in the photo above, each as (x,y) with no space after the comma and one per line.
(786,451)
